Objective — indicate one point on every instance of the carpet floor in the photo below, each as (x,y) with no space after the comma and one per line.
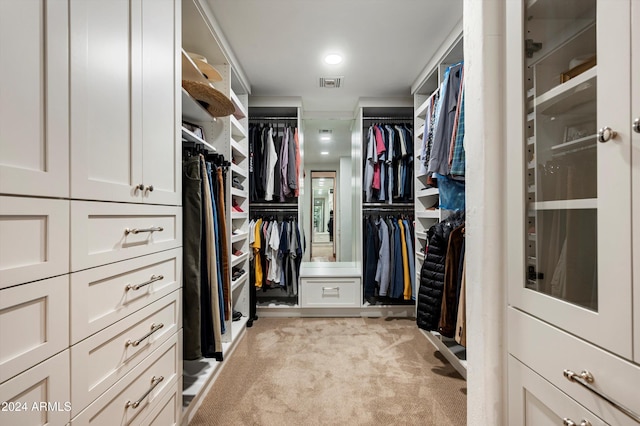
(335,371)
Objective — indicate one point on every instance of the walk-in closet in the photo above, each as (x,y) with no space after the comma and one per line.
(218,212)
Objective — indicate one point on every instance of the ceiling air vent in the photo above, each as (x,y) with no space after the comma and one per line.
(331,82)
(325,131)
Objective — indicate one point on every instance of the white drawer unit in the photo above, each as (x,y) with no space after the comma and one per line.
(168,412)
(533,401)
(330,292)
(101,296)
(563,351)
(101,360)
(39,396)
(34,239)
(103,233)
(34,324)
(131,399)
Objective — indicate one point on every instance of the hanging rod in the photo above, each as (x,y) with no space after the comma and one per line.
(406,206)
(388,118)
(273,118)
(273,207)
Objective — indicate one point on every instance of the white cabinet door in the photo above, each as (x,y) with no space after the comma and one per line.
(161,102)
(34,112)
(571,264)
(105,100)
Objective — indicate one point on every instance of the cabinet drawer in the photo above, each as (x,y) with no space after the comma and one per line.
(104,233)
(533,401)
(330,292)
(169,409)
(47,386)
(34,239)
(137,386)
(104,358)
(613,376)
(100,296)
(34,324)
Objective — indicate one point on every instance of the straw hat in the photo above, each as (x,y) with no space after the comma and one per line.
(205,68)
(216,102)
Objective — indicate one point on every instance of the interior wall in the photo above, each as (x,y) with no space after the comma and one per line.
(484,47)
(344,231)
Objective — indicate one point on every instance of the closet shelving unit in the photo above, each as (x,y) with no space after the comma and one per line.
(273,301)
(226,136)
(427,211)
(372,112)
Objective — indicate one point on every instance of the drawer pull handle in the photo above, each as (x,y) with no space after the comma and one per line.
(135,343)
(153,279)
(569,422)
(128,231)
(585,378)
(154,382)
(330,289)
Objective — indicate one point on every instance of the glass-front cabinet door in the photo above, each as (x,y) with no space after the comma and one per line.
(572,263)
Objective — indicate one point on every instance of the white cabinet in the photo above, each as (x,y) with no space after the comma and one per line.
(34,239)
(575,168)
(124,101)
(34,113)
(330,292)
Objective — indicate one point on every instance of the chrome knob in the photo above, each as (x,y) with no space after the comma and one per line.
(585,423)
(605,134)
(139,188)
(636,125)
(568,422)
(149,188)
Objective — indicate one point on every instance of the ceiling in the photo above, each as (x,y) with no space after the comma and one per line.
(281,45)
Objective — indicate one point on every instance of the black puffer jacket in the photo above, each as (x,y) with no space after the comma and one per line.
(432,272)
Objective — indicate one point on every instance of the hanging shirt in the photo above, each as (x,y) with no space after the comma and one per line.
(284,167)
(382,271)
(276,261)
(405,263)
(256,253)
(291,171)
(297,141)
(271,165)
(368,167)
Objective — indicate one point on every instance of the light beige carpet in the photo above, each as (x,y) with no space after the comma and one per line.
(338,371)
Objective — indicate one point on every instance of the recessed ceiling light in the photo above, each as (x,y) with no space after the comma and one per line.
(324,153)
(325,138)
(333,59)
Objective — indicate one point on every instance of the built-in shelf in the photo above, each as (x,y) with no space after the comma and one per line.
(452,351)
(578,143)
(420,131)
(564,97)
(238,170)
(241,111)
(238,150)
(236,260)
(190,70)
(586,203)
(238,215)
(239,281)
(239,193)
(238,131)
(191,137)
(239,237)
(420,256)
(192,110)
(422,109)
(429,214)
(421,235)
(429,192)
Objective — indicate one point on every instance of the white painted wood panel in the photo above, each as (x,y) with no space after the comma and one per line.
(613,375)
(34,113)
(169,410)
(330,292)
(635,185)
(104,358)
(99,296)
(46,383)
(161,102)
(535,402)
(34,239)
(105,98)
(164,362)
(99,236)
(34,324)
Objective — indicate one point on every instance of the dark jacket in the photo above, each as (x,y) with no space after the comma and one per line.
(432,272)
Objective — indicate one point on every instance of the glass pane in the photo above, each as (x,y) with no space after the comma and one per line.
(561,163)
